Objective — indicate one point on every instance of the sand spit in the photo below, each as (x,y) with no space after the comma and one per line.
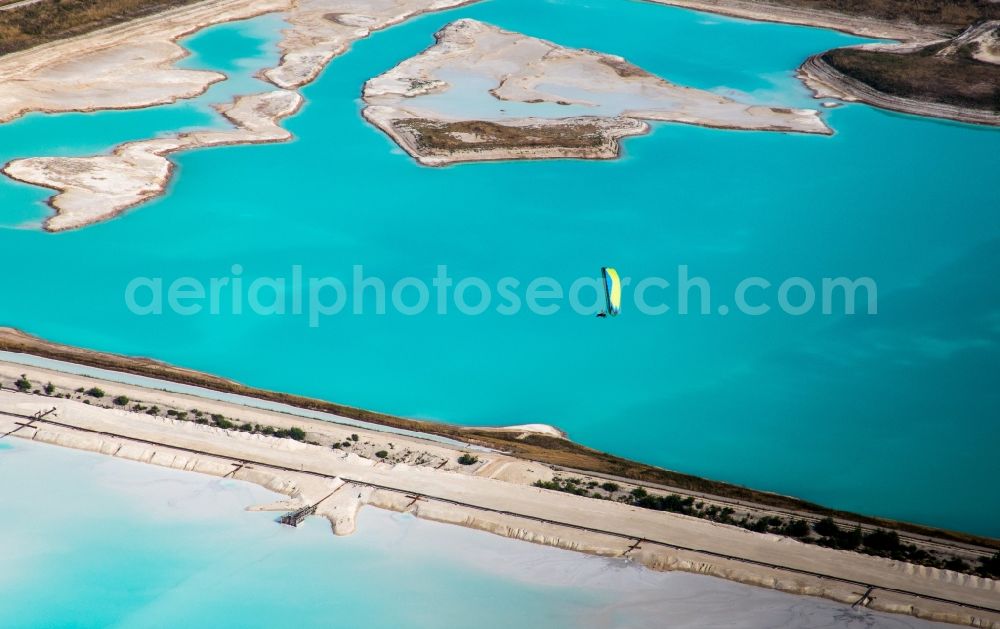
(854,25)
(122,67)
(494,494)
(542,100)
(93,189)
(322,29)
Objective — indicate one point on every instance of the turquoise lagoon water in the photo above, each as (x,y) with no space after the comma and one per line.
(893,414)
(132,545)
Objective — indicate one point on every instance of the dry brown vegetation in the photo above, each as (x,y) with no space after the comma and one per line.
(956,79)
(50,20)
(474,135)
(955,15)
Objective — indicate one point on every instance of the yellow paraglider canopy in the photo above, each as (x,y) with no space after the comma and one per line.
(612,290)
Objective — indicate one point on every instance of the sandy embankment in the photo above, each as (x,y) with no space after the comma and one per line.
(827,82)
(132,65)
(498,486)
(584,102)
(856,25)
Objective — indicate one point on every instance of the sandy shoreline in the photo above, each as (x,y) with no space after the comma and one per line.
(127,66)
(763,12)
(559,452)
(132,66)
(427,480)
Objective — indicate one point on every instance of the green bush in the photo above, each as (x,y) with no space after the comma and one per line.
(468,459)
(990,566)
(95,392)
(797,528)
(610,487)
(23,384)
(49,389)
(879,540)
(121,400)
(827,528)
(381,454)
(222,422)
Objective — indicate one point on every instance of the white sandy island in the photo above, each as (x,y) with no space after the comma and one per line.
(483,93)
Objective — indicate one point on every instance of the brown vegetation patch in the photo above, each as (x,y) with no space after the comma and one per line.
(957,79)
(623,68)
(433,136)
(50,20)
(953,14)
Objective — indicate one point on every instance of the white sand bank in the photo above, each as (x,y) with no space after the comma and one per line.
(97,188)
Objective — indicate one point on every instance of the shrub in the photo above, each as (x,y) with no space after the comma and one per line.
(381,454)
(956,564)
(95,392)
(121,400)
(990,566)
(610,487)
(797,528)
(296,433)
(467,459)
(23,384)
(639,493)
(49,389)
(354,438)
(882,540)
(222,422)
(827,528)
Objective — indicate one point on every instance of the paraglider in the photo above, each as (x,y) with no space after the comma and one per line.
(612,292)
